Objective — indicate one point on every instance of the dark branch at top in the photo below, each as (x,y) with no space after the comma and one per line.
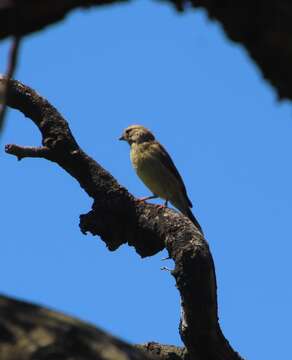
(9,74)
(264,28)
(118,218)
(19,17)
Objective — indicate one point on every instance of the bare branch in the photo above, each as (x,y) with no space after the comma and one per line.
(23,17)
(9,74)
(118,218)
(28,151)
(30,332)
(264,28)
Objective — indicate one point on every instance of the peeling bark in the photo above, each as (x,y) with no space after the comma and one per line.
(118,218)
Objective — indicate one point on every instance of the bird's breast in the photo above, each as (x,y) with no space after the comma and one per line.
(151,171)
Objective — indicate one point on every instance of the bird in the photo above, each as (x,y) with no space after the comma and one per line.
(157,171)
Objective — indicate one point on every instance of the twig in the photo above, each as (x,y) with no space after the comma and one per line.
(9,74)
(28,151)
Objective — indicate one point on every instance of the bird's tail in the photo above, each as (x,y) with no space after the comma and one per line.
(191,216)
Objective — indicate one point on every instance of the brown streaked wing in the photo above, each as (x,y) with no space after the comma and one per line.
(169,164)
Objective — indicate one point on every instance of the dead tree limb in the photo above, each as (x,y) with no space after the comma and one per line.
(19,17)
(31,332)
(264,28)
(118,218)
(9,74)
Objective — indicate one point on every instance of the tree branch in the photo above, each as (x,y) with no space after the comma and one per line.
(264,28)
(9,74)
(31,332)
(28,151)
(164,352)
(23,17)
(118,218)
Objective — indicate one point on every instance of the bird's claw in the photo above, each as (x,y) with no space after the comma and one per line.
(144,198)
(160,207)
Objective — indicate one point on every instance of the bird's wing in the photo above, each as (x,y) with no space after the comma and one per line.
(166,160)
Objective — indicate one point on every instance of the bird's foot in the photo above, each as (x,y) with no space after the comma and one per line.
(143,199)
(163,206)
(160,207)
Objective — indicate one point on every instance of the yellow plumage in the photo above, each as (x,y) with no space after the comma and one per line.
(156,169)
(157,177)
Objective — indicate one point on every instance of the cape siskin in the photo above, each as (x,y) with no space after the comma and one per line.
(156,169)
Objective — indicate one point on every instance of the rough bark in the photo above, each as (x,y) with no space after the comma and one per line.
(264,28)
(31,332)
(118,218)
(164,352)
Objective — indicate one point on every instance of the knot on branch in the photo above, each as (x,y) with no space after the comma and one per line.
(118,222)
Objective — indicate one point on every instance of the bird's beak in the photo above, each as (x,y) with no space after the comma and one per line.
(122,137)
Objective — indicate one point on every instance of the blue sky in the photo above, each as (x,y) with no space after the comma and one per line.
(105,69)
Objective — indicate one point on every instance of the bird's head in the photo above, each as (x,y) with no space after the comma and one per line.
(136,134)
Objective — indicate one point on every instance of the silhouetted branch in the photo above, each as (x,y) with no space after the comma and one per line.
(9,74)
(31,332)
(28,151)
(23,17)
(118,218)
(264,28)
